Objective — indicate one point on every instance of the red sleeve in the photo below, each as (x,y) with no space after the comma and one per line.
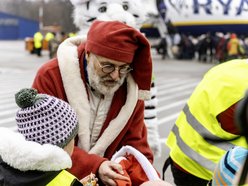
(227,121)
(126,165)
(84,163)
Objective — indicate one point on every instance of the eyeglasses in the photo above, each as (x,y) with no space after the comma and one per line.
(109,68)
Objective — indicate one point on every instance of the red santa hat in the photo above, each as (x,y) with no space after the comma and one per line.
(118,41)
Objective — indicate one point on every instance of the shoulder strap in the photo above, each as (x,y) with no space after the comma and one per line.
(166,165)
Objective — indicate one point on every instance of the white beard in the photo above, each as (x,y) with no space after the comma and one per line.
(98,83)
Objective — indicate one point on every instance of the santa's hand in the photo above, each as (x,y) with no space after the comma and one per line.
(109,171)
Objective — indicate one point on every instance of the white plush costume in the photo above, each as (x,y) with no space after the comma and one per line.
(133,13)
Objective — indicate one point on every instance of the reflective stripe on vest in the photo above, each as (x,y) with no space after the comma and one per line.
(204,132)
(221,87)
(63,178)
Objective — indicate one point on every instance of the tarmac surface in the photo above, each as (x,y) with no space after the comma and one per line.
(175,81)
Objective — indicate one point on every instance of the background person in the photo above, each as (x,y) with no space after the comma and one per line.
(234,47)
(50,38)
(38,39)
(105,78)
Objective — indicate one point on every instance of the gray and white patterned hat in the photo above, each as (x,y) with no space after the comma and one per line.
(45,119)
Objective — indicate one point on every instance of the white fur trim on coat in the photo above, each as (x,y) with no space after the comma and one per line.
(143,161)
(144,94)
(116,125)
(27,155)
(150,113)
(152,102)
(74,86)
(77,97)
(153,136)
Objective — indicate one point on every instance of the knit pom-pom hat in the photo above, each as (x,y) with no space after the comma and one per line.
(45,119)
(118,41)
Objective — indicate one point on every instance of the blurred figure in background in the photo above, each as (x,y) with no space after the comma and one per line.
(38,39)
(72,34)
(55,42)
(234,49)
(50,37)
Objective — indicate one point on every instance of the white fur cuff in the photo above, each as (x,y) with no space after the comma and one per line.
(144,95)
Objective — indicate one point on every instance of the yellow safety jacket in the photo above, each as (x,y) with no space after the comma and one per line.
(233,48)
(71,34)
(49,36)
(38,37)
(220,88)
(64,178)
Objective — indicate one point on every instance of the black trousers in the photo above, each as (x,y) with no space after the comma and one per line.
(38,51)
(182,178)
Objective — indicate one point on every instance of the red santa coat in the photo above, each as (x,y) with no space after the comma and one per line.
(64,78)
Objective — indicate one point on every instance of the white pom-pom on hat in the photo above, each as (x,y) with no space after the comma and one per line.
(78,2)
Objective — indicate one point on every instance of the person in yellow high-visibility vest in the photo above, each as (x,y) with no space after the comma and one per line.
(39,153)
(206,119)
(38,38)
(53,43)
(234,47)
(72,34)
(49,36)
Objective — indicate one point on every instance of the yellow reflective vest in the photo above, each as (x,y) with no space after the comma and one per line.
(64,178)
(221,87)
(49,36)
(72,34)
(38,37)
(233,48)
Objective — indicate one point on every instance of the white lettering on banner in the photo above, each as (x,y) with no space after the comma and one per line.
(8,22)
(227,8)
(182,12)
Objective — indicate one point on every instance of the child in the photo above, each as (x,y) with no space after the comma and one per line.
(40,152)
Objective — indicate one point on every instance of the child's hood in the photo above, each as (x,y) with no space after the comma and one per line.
(27,155)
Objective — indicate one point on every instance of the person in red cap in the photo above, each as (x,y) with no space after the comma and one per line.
(234,47)
(105,77)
